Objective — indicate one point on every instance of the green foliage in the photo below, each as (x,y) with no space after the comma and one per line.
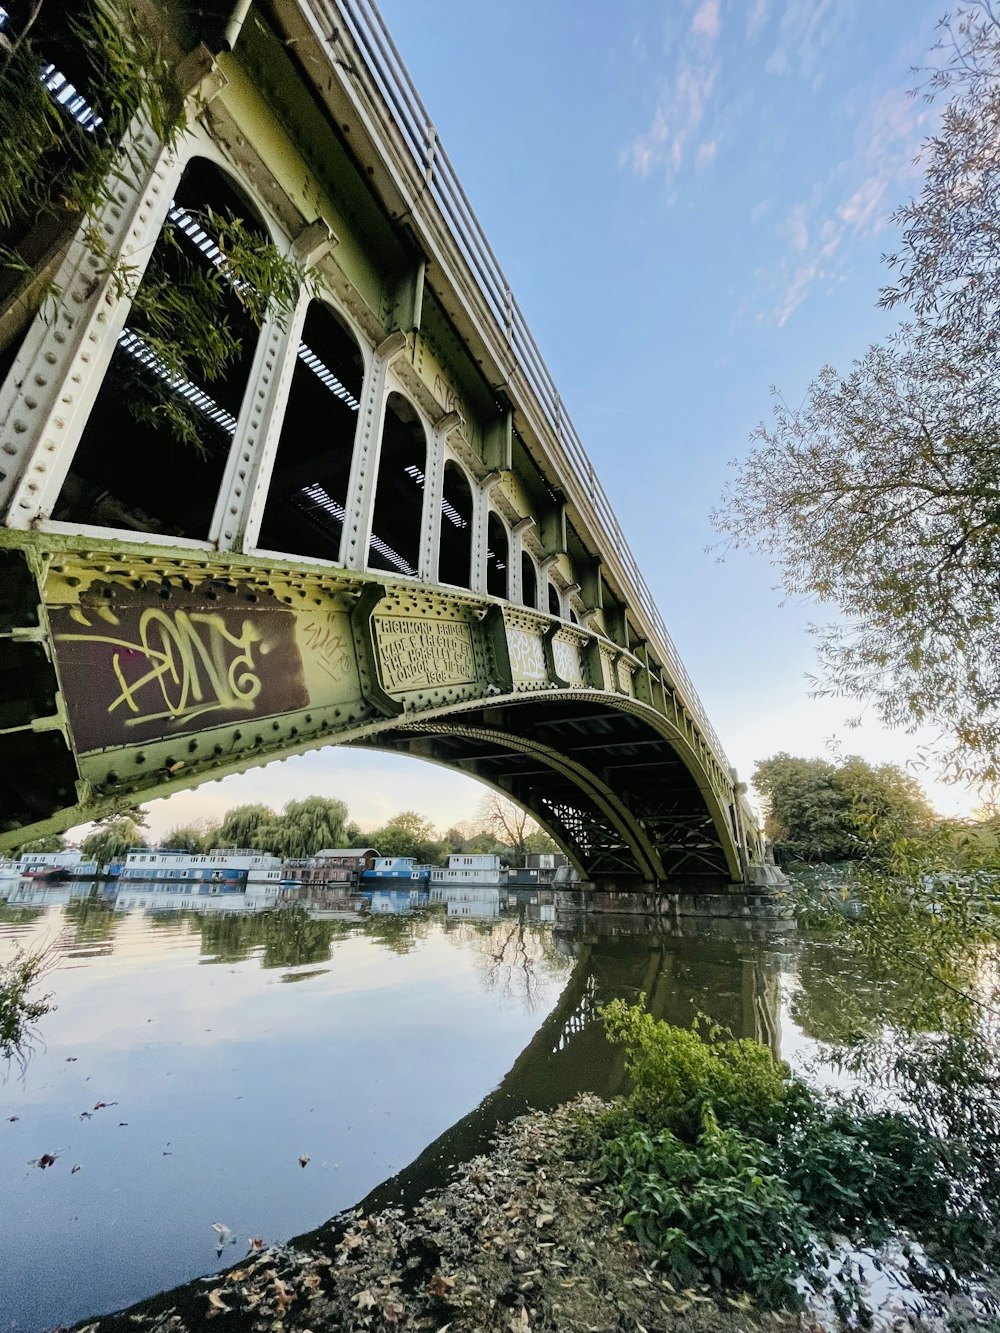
(51,842)
(19,1012)
(823,811)
(52,168)
(716,1211)
(191,838)
(242,826)
(111,839)
(675,1074)
(739,1175)
(407,834)
(57,176)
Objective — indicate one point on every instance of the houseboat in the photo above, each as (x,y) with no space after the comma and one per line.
(10,868)
(398,869)
(57,866)
(333,865)
(222,870)
(479,870)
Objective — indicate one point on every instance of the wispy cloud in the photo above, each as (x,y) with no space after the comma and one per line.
(852,203)
(805,30)
(756,18)
(673,137)
(707,21)
(676,121)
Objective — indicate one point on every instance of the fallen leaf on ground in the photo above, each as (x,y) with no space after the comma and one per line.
(216,1302)
(364,1300)
(284,1296)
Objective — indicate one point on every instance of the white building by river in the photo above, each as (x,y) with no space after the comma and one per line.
(478,869)
(222,870)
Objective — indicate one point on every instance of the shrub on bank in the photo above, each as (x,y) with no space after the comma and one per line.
(735,1173)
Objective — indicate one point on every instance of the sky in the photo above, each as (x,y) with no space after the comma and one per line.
(690,199)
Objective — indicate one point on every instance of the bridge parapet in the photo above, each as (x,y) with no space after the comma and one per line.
(430,193)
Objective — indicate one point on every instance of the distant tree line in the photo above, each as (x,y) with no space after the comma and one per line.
(304,827)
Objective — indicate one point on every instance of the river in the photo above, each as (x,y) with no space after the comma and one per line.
(204,1079)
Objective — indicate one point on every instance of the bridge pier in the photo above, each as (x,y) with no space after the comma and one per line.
(734,901)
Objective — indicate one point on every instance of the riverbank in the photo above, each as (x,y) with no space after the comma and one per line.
(521,1239)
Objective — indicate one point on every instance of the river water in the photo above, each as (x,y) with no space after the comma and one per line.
(207,1078)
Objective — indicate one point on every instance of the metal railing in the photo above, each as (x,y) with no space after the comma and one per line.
(390,77)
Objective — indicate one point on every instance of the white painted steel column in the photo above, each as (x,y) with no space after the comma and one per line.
(515,583)
(430,531)
(480,526)
(544,583)
(243,494)
(367,448)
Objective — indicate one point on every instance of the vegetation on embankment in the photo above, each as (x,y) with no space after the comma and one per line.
(711,1198)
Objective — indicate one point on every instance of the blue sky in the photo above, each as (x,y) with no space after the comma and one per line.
(690,199)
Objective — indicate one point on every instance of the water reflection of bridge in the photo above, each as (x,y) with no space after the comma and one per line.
(680,975)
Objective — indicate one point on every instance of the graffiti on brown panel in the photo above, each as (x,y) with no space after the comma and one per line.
(328,646)
(135,667)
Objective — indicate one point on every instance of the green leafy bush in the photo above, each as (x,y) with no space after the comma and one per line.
(737,1174)
(18,1011)
(675,1074)
(715,1212)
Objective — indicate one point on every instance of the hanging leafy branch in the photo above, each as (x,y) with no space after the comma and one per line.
(57,172)
(879,495)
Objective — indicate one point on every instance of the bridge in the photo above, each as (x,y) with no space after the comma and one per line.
(387,532)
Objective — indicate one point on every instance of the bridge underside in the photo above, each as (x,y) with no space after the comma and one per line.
(131,674)
(609,789)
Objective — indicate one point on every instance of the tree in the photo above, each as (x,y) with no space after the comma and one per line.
(821,811)
(512,826)
(51,842)
(192,837)
(112,838)
(406,834)
(242,825)
(880,496)
(304,827)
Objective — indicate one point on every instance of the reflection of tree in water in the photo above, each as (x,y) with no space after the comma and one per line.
(14,915)
(286,938)
(93,919)
(398,931)
(843,996)
(516,956)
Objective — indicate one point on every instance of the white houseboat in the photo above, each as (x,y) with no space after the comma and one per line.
(57,865)
(401,869)
(479,870)
(222,870)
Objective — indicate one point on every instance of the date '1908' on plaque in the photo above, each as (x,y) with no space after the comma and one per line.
(417,654)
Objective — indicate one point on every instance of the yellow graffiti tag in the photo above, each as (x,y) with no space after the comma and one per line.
(196,663)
